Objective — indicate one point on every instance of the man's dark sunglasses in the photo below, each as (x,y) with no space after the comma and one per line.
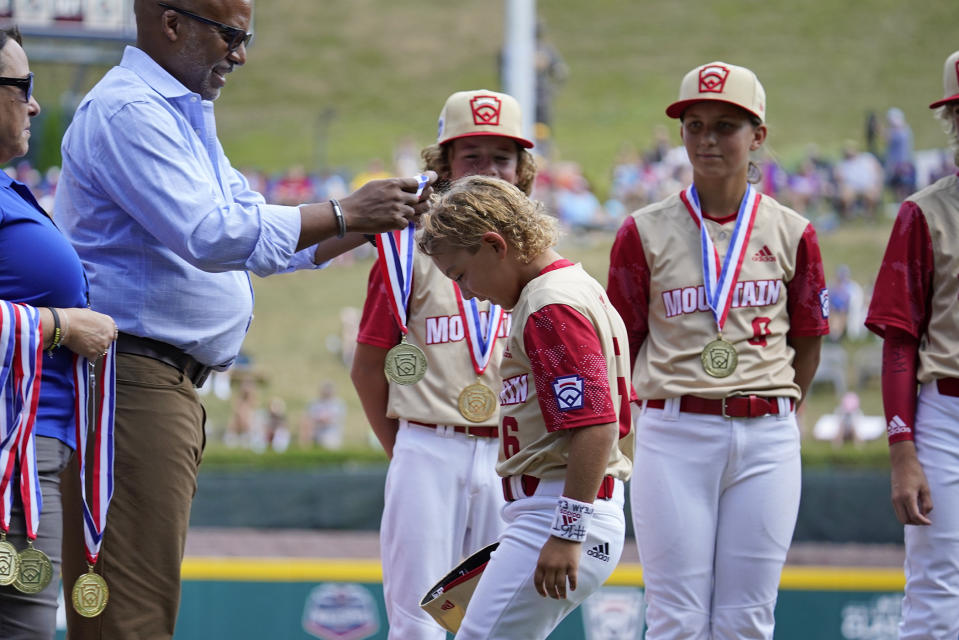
(26,84)
(233,36)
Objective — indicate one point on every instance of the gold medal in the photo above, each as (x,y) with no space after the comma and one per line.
(9,562)
(90,594)
(405,363)
(719,358)
(36,571)
(477,402)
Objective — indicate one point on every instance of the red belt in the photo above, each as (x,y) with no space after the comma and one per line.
(948,387)
(729,407)
(480,432)
(529,484)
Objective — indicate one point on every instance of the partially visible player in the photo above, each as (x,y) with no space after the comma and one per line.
(443,496)
(722,292)
(564,408)
(915,308)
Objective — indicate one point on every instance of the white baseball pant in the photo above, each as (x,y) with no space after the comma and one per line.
(714,505)
(505,605)
(930,608)
(443,502)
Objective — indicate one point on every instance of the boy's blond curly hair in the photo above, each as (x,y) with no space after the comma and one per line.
(475,205)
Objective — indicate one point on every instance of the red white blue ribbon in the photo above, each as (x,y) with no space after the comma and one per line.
(480,333)
(101,488)
(720,276)
(395,249)
(21,346)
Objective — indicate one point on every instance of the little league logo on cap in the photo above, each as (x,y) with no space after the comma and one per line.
(950,81)
(481,113)
(712,78)
(721,82)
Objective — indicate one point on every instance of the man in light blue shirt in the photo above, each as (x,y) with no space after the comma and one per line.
(168,232)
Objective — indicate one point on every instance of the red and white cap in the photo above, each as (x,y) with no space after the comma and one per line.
(481,113)
(721,82)
(950,81)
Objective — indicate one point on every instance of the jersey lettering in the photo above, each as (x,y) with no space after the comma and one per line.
(442,329)
(515,390)
(751,293)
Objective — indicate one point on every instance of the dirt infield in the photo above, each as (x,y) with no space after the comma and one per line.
(297,543)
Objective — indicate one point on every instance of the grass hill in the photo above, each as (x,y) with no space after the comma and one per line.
(338,83)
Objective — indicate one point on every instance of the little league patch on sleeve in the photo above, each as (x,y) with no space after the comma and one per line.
(569,392)
(824,302)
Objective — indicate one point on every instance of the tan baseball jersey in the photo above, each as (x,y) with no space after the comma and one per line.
(917,289)
(565,366)
(436,327)
(656,283)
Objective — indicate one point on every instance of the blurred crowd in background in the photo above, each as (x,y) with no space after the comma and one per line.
(869,178)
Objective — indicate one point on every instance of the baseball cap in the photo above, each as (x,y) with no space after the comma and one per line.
(481,113)
(722,82)
(950,81)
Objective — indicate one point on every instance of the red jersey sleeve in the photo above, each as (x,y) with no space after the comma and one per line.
(628,285)
(806,297)
(378,326)
(569,368)
(903,291)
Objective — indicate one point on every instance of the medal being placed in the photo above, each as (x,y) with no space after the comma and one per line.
(719,358)
(405,363)
(35,573)
(90,594)
(9,562)
(477,402)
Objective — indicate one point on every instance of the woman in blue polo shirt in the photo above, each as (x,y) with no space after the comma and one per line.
(41,282)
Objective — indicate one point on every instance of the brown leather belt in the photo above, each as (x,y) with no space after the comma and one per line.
(480,432)
(728,407)
(948,387)
(186,364)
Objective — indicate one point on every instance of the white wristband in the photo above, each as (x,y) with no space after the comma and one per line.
(572,518)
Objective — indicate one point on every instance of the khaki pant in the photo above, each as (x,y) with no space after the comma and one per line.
(159,444)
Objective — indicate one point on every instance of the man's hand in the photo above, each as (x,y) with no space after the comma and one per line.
(558,561)
(910,489)
(385,205)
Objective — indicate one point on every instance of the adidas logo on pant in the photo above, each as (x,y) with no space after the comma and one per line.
(600,552)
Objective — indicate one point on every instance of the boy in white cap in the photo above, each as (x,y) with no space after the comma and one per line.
(915,308)
(724,299)
(437,414)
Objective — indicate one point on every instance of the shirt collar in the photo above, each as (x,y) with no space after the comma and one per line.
(158,78)
(5,179)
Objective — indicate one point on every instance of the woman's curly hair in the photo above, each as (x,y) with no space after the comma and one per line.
(475,205)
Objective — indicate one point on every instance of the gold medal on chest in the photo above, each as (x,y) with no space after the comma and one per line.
(719,358)
(477,402)
(405,363)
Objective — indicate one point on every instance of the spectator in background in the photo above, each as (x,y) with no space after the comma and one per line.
(294,188)
(899,164)
(859,182)
(846,305)
(323,422)
(551,71)
(872,133)
(374,171)
(577,206)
